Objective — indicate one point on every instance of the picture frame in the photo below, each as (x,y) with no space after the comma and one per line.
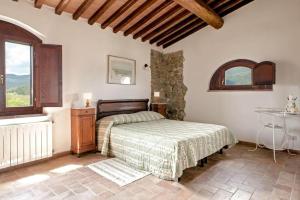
(121,70)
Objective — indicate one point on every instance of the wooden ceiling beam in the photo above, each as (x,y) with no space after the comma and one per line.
(159,20)
(133,15)
(228,8)
(82,8)
(118,13)
(173,28)
(107,4)
(173,20)
(211,3)
(145,19)
(61,6)
(195,29)
(191,28)
(222,10)
(203,11)
(184,29)
(38,3)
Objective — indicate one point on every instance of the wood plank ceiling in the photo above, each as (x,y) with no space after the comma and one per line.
(163,22)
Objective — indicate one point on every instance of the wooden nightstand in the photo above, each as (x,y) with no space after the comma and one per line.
(160,108)
(83,130)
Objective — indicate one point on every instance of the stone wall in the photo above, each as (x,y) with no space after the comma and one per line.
(167,78)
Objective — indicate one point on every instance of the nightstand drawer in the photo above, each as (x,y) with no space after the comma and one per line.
(83,111)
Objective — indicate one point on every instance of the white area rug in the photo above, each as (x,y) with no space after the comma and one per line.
(117,171)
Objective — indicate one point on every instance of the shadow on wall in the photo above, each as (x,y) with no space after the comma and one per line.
(167,78)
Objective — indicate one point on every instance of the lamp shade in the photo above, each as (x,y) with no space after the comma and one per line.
(87,95)
(156,94)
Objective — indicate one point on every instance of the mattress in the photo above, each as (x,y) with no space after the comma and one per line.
(161,146)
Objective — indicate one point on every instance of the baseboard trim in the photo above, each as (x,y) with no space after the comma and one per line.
(252,144)
(54,156)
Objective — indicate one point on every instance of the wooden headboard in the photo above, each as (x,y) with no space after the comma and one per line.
(123,106)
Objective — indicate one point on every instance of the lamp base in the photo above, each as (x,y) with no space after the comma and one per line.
(87,104)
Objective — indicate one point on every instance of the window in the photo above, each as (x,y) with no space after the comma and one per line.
(238,76)
(18,74)
(244,74)
(30,72)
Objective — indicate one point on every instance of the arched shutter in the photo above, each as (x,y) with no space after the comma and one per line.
(264,73)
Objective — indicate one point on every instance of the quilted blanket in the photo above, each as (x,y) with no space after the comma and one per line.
(163,147)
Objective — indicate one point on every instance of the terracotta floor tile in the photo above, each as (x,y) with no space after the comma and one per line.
(208,188)
(237,174)
(168,195)
(78,188)
(203,194)
(295,195)
(104,195)
(242,186)
(97,188)
(296,185)
(239,178)
(58,189)
(85,195)
(286,178)
(167,185)
(241,195)
(223,186)
(261,195)
(222,195)
(280,194)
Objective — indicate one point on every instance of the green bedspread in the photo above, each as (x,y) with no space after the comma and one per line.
(163,147)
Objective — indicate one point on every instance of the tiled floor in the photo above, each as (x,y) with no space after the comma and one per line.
(237,174)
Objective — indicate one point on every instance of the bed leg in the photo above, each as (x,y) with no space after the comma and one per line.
(205,160)
(201,163)
(177,179)
(221,151)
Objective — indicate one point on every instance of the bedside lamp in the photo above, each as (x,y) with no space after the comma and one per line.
(158,104)
(156,97)
(87,98)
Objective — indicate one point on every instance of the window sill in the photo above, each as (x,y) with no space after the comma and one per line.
(241,90)
(23,119)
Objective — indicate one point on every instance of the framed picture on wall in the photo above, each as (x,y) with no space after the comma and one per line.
(121,70)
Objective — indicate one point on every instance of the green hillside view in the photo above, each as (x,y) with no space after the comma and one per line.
(18,90)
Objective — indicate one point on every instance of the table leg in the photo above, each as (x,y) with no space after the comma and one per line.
(258,135)
(274,148)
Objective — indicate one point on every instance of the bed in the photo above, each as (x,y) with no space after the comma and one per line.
(148,141)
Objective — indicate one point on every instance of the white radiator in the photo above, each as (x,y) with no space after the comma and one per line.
(21,143)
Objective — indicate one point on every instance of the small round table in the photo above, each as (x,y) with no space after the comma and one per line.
(274,113)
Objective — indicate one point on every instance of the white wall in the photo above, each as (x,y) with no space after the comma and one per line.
(262,30)
(85,50)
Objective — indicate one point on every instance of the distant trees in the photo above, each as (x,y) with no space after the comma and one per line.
(22,90)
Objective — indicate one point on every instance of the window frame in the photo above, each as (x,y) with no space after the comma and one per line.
(15,34)
(217,82)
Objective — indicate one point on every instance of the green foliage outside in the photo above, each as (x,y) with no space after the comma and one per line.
(18,91)
(17,100)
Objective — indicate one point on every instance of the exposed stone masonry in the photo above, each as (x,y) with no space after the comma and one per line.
(167,78)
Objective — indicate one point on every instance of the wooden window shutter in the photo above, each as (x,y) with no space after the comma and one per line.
(48,75)
(264,73)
